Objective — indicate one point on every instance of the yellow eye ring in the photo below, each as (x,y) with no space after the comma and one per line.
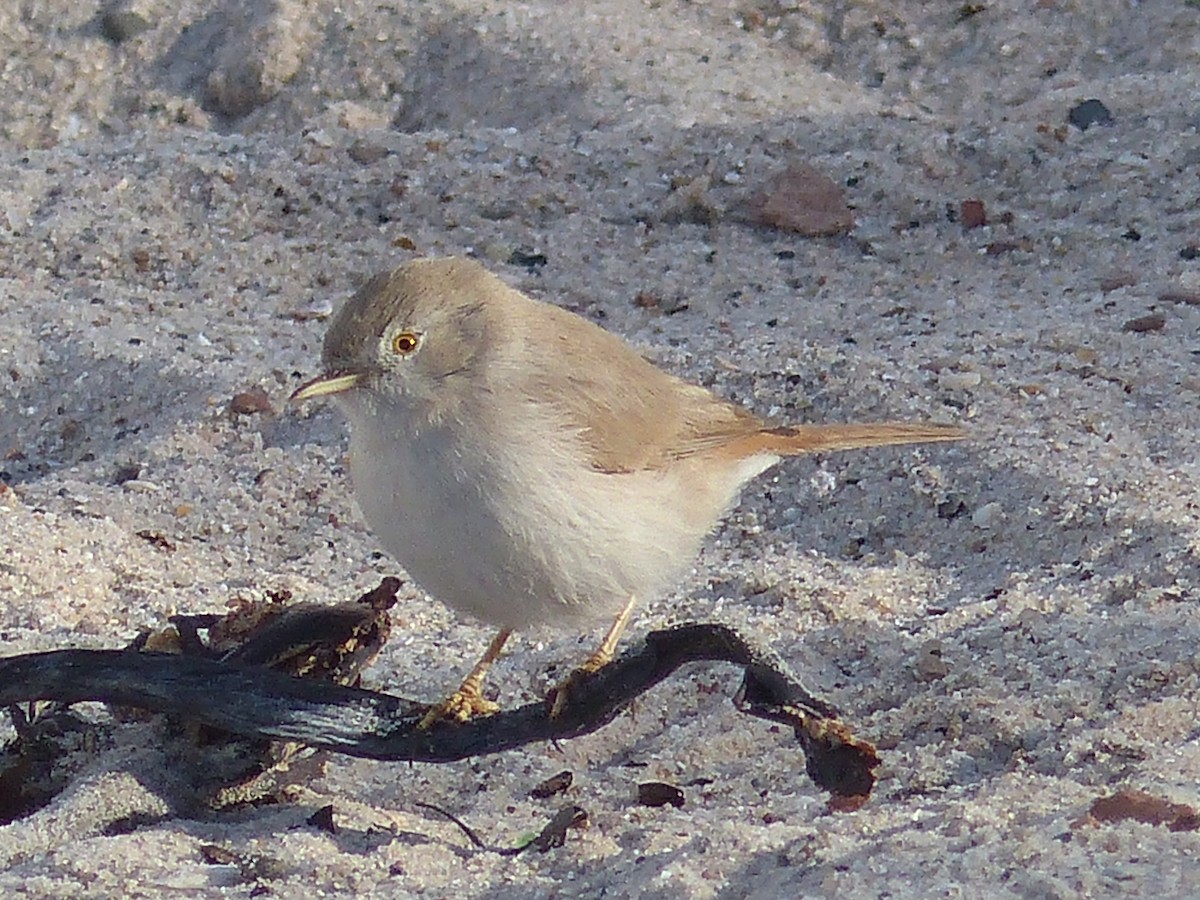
(404,342)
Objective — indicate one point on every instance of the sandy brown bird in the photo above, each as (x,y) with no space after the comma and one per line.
(526,466)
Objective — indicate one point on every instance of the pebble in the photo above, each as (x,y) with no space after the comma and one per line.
(1143,324)
(1088,113)
(804,200)
(987,516)
(973,214)
(249,402)
(930,665)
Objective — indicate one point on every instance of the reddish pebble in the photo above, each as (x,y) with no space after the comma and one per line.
(972,214)
(247,403)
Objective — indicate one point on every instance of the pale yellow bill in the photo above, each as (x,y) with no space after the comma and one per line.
(323,385)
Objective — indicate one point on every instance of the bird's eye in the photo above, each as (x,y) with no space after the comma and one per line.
(404,342)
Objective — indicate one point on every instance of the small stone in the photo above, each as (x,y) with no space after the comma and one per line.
(1088,113)
(1139,806)
(987,516)
(215,855)
(973,214)
(126,473)
(247,403)
(951,508)
(1187,298)
(1144,324)
(804,200)
(649,300)
(999,248)
(319,137)
(930,665)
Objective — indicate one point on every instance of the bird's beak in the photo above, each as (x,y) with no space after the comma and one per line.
(325,384)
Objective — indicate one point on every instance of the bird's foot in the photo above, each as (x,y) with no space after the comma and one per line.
(463,705)
(590,666)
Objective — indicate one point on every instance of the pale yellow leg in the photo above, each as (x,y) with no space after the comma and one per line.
(608,647)
(468,701)
(602,656)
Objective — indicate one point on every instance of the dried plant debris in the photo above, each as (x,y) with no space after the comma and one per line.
(46,754)
(305,640)
(157,539)
(659,793)
(553,835)
(322,819)
(250,690)
(555,784)
(326,643)
(555,832)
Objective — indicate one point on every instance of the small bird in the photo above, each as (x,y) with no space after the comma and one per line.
(526,466)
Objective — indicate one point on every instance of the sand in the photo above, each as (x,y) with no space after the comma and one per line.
(1013,620)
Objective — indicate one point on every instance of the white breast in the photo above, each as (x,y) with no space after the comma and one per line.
(518,535)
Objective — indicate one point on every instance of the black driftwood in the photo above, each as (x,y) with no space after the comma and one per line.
(257,702)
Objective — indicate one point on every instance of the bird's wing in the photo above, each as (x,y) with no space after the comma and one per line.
(628,414)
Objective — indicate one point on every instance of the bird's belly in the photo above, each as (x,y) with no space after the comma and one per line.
(433,521)
(531,539)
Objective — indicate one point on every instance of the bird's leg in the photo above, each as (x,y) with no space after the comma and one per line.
(468,701)
(602,656)
(607,649)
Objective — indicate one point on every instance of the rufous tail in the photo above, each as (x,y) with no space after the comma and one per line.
(795,440)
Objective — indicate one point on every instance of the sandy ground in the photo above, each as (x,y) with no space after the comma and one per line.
(1013,620)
